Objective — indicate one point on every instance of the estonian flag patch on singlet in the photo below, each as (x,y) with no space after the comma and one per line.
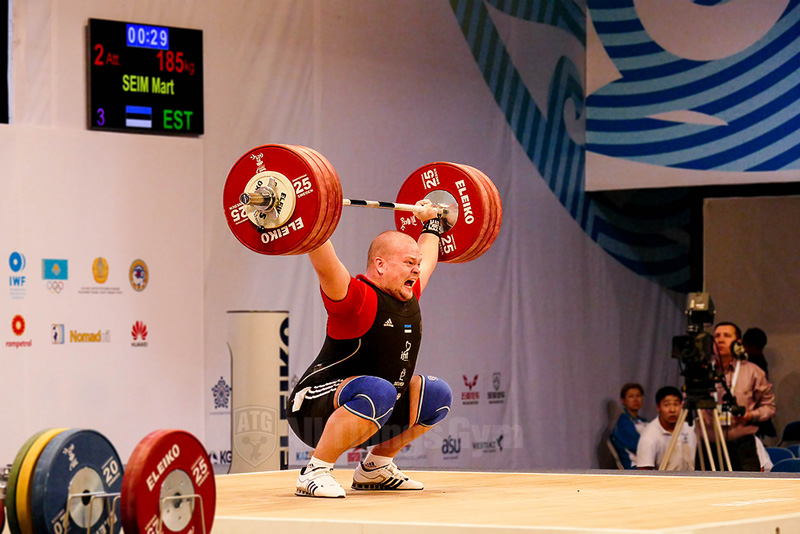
(408,329)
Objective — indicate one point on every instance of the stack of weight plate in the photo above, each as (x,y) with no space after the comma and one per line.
(70,480)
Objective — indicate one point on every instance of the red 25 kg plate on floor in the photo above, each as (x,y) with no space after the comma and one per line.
(168,464)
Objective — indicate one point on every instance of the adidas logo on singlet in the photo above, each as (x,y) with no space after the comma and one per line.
(388,322)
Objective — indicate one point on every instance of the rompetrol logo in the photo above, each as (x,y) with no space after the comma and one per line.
(100,270)
(90,337)
(138,275)
(18,325)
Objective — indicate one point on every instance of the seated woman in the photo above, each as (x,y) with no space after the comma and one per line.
(625,435)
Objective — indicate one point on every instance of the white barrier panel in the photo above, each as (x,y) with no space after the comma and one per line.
(259,346)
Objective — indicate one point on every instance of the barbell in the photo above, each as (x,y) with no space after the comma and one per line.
(287,199)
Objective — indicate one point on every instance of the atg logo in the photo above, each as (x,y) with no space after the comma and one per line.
(139,334)
(470,397)
(16,281)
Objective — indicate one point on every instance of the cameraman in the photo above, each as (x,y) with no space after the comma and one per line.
(753,401)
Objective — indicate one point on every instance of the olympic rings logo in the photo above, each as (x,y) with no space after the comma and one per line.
(55,286)
(18,325)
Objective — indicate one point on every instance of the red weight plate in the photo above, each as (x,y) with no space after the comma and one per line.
(2,515)
(470,195)
(295,232)
(495,214)
(168,464)
(475,250)
(496,207)
(324,200)
(334,199)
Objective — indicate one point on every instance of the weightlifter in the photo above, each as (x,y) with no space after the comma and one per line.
(361,389)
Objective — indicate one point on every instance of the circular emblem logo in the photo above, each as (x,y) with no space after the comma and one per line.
(100,270)
(18,325)
(16,261)
(138,275)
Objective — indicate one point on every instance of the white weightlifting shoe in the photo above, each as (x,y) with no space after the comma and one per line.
(318,482)
(388,477)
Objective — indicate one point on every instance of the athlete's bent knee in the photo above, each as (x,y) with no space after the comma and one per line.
(369,397)
(435,399)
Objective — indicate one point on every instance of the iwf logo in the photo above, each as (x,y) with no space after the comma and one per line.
(16,281)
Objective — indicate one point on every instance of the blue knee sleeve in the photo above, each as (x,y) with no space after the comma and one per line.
(435,399)
(369,397)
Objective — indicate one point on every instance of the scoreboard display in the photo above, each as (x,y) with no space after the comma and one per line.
(145,78)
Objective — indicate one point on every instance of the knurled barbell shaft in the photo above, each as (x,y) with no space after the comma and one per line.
(419,210)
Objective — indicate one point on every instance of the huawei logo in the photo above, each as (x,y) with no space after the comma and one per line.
(139,331)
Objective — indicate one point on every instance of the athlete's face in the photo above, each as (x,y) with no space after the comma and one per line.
(401,266)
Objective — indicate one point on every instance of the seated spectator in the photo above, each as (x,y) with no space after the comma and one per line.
(625,435)
(754,341)
(655,439)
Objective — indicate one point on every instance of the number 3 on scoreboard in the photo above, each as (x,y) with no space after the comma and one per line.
(101,117)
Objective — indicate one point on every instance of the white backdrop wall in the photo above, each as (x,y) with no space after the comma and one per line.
(545,317)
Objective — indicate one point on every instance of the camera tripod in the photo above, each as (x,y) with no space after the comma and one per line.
(691,409)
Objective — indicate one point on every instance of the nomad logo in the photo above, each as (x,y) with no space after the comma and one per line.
(90,337)
(470,397)
(139,331)
(18,327)
(489,446)
(16,282)
(451,447)
(496,396)
(222,394)
(57,334)
(138,275)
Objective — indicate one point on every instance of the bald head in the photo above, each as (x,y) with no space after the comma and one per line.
(393,264)
(386,244)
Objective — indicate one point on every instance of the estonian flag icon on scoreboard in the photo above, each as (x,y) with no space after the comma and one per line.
(139,116)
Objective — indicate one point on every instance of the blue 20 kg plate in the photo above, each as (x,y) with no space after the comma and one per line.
(76,462)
